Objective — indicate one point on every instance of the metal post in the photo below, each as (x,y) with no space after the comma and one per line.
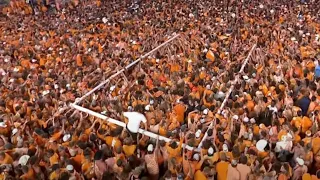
(122,124)
(228,94)
(125,68)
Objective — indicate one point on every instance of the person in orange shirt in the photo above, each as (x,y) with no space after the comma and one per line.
(128,148)
(179,111)
(222,168)
(5,158)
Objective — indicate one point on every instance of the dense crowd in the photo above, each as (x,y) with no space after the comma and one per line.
(52,55)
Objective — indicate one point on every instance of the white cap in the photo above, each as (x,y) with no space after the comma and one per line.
(206,111)
(261,125)
(261,6)
(205,50)
(210,151)
(236,117)
(245,77)
(300,161)
(45,92)
(225,148)
(72,152)
(3,124)
(196,157)
(208,87)
(147,108)
(69,167)
(234,162)
(300,32)
(16,69)
(252,120)
(150,147)
(151,102)
(271,11)
(66,137)
(293,39)
(202,120)
(261,144)
(104,20)
(24,159)
(198,133)
(233,15)
(14,131)
(112,88)
(259,94)
(246,119)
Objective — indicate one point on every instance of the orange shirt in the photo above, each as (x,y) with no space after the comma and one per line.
(306,123)
(54,159)
(315,145)
(7,159)
(199,175)
(174,152)
(180,109)
(129,150)
(113,141)
(28,175)
(222,170)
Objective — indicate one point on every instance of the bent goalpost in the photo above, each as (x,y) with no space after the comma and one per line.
(143,131)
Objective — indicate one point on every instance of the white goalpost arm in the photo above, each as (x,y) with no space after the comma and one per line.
(228,94)
(122,124)
(123,69)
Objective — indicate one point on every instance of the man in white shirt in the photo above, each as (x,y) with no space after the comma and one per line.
(134,120)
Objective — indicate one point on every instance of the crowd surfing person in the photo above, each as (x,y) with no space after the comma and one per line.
(269,128)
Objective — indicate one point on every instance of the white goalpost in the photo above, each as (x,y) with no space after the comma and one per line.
(143,131)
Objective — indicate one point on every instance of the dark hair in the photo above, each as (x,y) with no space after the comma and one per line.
(174,145)
(64,176)
(55,167)
(119,162)
(318,174)
(243,159)
(98,155)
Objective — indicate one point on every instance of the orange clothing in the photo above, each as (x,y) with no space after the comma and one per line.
(199,175)
(222,170)
(113,141)
(54,159)
(179,110)
(210,56)
(306,123)
(28,175)
(7,159)
(79,60)
(174,152)
(315,145)
(129,150)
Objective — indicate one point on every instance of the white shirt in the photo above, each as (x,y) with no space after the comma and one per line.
(134,119)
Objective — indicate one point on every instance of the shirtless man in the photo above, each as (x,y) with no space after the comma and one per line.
(151,160)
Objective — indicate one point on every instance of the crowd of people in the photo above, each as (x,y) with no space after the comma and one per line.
(268,128)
